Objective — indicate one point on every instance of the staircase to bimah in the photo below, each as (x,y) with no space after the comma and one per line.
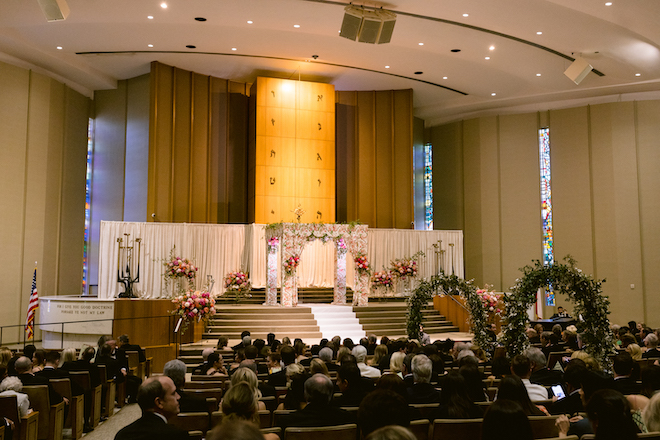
(389,319)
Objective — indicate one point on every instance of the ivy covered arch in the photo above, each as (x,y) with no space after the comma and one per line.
(591,307)
(443,284)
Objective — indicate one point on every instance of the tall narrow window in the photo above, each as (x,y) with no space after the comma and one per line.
(428,186)
(88,191)
(546,206)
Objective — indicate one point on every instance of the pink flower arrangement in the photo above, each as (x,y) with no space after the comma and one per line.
(341,245)
(179,267)
(490,301)
(291,264)
(405,267)
(193,305)
(237,281)
(382,279)
(362,264)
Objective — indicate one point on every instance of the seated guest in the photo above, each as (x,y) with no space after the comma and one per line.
(500,367)
(23,365)
(570,339)
(68,355)
(522,367)
(12,386)
(318,366)
(278,379)
(572,403)
(360,353)
(651,343)
(455,403)
(314,350)
(506,420)
(236,429)
(240,403)
(392,432)
(650,380)
(382,408)
(204,366)
(541,375)
(125,346)
(159,402)
(473,379)
(396,363)
(342,353)
(533,336)
(635,352)
(300,349)
(371,345)
(592,381)
(623,368)
(379,353)
(85,364)
(350,385)
(188,402)
(561,313)
(115,370)
(251,353)
(318,411)
(651,414)
(274,362)
(348,343)
(247,375)
(245,341)
(326,356)
(216,367)
(295,396)
(50,371)
(223,341)
(550,344)
(512,388)
(38,360)
(422,391)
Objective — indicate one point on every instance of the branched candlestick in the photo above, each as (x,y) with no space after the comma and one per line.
(127,265)
(438,252)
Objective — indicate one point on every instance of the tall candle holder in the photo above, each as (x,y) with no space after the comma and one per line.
(127,265)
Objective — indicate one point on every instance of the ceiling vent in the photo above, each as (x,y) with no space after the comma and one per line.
(54,10)
(367,26)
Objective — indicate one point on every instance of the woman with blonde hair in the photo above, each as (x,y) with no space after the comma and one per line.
(317,366)
(5,355)
(341,353)
(68,355)
(240,403)
(635,351)
(244,374)
(396,363)
(651,414)
(379,353)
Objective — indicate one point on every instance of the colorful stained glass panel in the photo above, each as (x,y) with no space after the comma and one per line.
(546,206)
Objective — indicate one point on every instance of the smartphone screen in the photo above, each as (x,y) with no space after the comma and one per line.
(558,391)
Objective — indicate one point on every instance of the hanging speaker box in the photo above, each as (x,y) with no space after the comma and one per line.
(350,26)
(578,70)
(54,10)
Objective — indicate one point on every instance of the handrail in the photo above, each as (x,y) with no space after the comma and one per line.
(63,323)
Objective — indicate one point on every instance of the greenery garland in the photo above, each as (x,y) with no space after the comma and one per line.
(591,306)
(443,284)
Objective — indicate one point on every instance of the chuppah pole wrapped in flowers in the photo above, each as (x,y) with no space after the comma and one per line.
(293,237)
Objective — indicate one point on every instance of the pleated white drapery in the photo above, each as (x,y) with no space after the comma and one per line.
(220,249)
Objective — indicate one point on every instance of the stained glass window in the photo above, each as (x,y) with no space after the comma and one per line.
(546,206)
(428,186)
(88,187)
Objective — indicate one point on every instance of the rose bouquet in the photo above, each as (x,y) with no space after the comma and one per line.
(193,305)
(238,282)
(362,264)
(273,242)
(178,267)
(291,264)
(403,268)
(490,301)
(382,279)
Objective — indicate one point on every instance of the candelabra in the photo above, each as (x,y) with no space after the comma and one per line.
(127,265)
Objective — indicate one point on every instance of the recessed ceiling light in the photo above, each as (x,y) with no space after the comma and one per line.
(539,33)
(250,22)
(638,74)
(190,46)
(163,5)
(421,44)
(233,48)
(150,45)
(387,67)
(493,94)
(444,77)
(487,58)
(491,48)
(200,19)
(608,4)
(466,15)
(538,74)
(59,47)
(150,17)
(296,25)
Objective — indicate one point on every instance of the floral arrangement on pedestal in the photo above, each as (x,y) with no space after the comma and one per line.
(362,264)
(382,282)
(180,272)
(193,305)
(273,244)
(239,283)
(291,263)
(404,267)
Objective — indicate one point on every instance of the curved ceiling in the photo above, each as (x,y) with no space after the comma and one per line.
(512,52)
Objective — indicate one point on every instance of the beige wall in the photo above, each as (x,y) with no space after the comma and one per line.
(43,141)
(604,162)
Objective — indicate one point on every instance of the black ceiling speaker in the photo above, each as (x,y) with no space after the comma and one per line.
(367,26)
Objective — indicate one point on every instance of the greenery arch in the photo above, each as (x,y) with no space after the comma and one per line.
(583,290)
(443,284)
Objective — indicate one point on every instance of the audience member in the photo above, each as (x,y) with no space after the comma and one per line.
(5,355)
(278,379)
(506,420)
(38,360)
(188,402)
(455,402)
(350,385)
(23,365)
(295,396)
(215,365)
(623,368)
(360,353)
(392,432)
(318,366)
(522,367)
(12,386)
(223,341)
(247,375)
(512,388)
(396,363)
(235,429)
(159,401)
(475,385)
(382,408)
(251,353)
(651,414)
(541,374)
(203,368)
(125,346)
(371,345)
(635,351)
(651,343)
(422,391)
(326,356)
(318,411)
(245,341)
(572,403)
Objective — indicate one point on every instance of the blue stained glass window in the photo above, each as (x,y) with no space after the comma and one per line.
(428,186)
(88,187)
(546,206)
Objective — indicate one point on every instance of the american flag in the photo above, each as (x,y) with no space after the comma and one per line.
(32,307)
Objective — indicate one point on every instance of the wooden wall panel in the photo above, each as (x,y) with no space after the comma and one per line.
(199,149)
(402,123)
(366,159)
(181,147)
(384,156)
(161,143)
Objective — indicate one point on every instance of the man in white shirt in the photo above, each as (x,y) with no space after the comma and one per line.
(522,367)
(360,353)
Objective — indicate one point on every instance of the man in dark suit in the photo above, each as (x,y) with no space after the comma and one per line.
(422,391)
(318,412)
(651,342)
(188,402)
(349,382)
(623,366)
(572,403)
(23,366)
(561,313)
(159,402)
(50,371)
(540,373)
(115,370)
(124,346)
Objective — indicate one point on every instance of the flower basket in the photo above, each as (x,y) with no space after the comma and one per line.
(238,283)
(193,306)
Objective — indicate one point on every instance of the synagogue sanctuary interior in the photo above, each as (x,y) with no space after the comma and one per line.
(141,111)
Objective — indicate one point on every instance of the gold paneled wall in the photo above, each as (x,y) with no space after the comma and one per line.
(292,151)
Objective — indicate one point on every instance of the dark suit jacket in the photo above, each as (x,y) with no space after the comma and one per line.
(546,377)
(626,386)
(151,427)
(277,379)
(112,367)
(30,379)
(349,398)
(423,393)
(652,353)
(54,373)
(317,415)
(83,365)
(570,405)
(121,353)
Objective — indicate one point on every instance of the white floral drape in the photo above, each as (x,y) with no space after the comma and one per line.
(220,249)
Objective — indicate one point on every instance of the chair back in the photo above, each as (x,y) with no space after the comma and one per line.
(544,426)
(103,373)
(201,385)
(216,418)
(420,428)
(194,421)
(9,409)
(81,378)
(133,359)
(568,437)
(456,429)
(204,377)
(210,392)
(273,430)
(265,419)
(555,357)
(277,414)
(491,392)
(62,387)
(40,401)
(650,435)
(427,410)
(270,402)
(340,432)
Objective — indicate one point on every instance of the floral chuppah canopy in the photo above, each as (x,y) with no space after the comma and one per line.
(292,237)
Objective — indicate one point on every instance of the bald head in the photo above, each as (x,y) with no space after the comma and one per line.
(23,365)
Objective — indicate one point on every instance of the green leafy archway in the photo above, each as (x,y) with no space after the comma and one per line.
(584,291)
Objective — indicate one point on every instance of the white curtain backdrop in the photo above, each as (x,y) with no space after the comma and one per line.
(220,249)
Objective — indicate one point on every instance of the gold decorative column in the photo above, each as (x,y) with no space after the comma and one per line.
(292,151)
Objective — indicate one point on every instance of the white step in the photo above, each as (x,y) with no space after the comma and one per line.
(337,320)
